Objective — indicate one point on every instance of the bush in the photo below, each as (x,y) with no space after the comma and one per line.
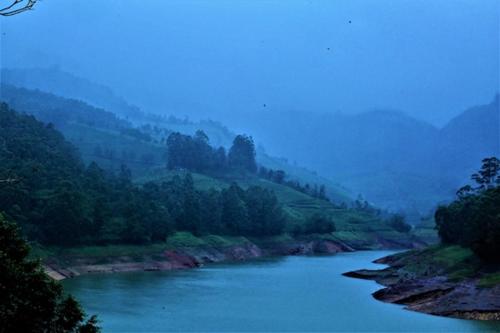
(316,224)
(398,223)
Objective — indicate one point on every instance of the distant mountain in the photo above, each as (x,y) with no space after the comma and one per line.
(469,137)
(393,160)
(58,82)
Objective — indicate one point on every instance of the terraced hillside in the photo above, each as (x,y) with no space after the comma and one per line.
(360,229)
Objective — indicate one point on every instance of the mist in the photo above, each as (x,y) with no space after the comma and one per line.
(300,139)
(226,59)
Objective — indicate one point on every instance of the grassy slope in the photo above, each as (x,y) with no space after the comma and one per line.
(352,226)
(455,262)
(87,138)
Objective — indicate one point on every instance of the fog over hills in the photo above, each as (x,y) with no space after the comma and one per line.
(392,159)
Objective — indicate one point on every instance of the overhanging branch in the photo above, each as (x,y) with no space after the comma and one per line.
(17,7)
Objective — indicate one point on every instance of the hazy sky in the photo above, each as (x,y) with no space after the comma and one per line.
(211,58)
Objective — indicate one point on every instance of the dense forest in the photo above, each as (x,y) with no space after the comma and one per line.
(58,200)
(473,220)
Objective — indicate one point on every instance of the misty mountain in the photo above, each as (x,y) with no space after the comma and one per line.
(469,137)
(392,159)
(108,139)
(58,82)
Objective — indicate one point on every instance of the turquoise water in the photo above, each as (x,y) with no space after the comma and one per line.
(286,294)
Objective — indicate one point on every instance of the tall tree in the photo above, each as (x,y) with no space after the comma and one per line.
(242,154)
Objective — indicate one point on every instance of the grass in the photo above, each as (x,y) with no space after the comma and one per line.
(352,225)
(489,280)
(187,239)
(177,240)
(456,262)
(98,251)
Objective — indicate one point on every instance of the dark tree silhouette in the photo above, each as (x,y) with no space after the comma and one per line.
(17,7)
(489,175)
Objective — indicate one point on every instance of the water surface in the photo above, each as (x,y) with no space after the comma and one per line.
(285,294)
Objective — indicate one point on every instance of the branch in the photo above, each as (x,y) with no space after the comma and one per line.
(16,7)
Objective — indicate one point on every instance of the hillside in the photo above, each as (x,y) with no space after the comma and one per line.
(468,138)
(360,229)
(101,204)
(104,137)
(394,160)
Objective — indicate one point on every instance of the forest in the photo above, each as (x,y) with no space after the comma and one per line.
(473,220)
(60,201)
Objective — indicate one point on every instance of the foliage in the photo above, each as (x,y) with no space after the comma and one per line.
(280,177)
(397,222)
(194,153)
(59,201)
(316,224)
(30,301)
(473,220)
(241,155)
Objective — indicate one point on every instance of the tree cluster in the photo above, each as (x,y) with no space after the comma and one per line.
(57,200)
(195,153)
(280,177)
(398,223)
(316,224)
(473,220)
(30,301)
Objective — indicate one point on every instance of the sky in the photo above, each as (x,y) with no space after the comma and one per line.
(221,59)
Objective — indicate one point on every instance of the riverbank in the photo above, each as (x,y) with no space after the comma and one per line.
(184,251)
(440,280)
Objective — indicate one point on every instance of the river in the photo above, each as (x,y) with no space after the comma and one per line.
(283,294)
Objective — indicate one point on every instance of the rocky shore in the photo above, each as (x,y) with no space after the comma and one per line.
(435,286)
(60,268)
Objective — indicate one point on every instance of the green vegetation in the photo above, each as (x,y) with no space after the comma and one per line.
(30,301)
(316,224)
(426,230)
(186,239)
(398,223)
(456,262)
(489,280)
(59,201)
(473,220)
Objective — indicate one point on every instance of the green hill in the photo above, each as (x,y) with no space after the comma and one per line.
(358,228)
(111,141)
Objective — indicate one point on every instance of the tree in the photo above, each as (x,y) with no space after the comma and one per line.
(242,154)
(279,176)
(398,223)
(234,210)
(488,176)
(264,211)
(317,224)
(190,218)
(474,219)
(17,7)
(30,301)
